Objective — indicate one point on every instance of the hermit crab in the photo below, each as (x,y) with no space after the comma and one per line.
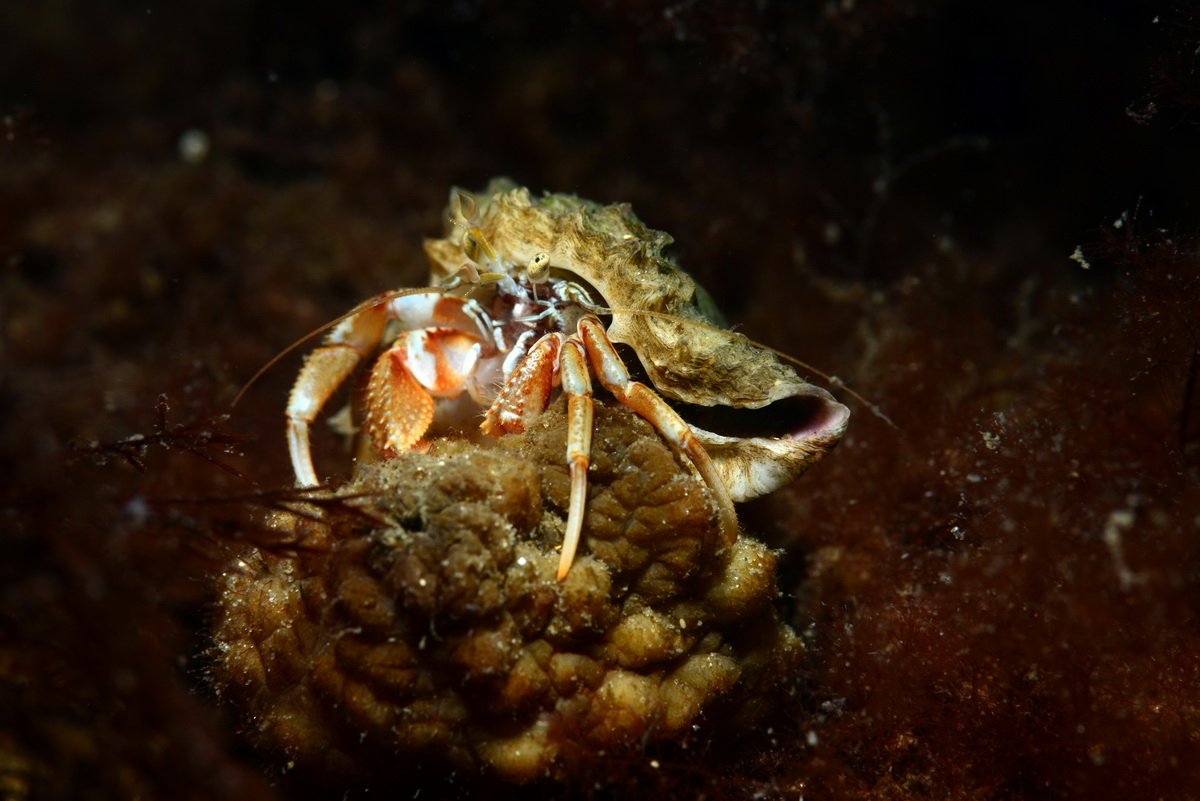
(528,294)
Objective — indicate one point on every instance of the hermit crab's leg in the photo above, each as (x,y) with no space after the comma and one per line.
(526,393)
(614,377)
(323,372)
(577,386)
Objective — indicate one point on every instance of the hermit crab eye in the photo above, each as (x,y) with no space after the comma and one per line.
(471,247)
(538,268)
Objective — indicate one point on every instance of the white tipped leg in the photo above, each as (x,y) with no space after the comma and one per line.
(574,527)
(302,464)
(524,397)
(578,388)
(323,372)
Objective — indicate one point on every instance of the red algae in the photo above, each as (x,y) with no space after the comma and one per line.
(1011,613)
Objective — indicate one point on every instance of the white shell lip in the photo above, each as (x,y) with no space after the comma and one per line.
(829,423)
(755,466)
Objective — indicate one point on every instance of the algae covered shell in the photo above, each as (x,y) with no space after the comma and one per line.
(607,249)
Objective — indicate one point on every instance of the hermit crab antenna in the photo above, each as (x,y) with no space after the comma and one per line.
(832,380)
(368,304)
(474,244)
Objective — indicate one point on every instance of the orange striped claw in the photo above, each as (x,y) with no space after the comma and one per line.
(437,358)
(398,409)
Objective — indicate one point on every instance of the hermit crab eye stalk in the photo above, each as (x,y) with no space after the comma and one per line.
(471,247)
(464,213)
(476,248)
(538,268)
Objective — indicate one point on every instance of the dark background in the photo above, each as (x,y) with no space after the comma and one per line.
(888,190)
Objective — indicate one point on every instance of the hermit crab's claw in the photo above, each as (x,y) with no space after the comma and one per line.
(806,426)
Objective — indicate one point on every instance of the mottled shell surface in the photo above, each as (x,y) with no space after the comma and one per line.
(608,249)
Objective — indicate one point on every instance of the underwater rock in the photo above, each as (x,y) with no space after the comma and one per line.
(422,620)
